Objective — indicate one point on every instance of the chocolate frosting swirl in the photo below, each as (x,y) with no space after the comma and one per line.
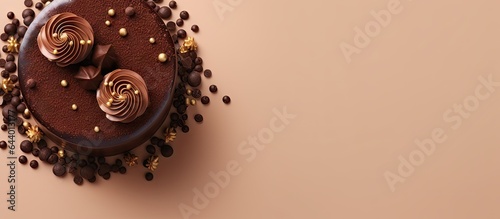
(123,95)
(66,39)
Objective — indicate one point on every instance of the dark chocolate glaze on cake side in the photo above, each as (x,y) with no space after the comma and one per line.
(50,103)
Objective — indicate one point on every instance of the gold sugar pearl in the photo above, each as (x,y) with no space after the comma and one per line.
(64,36)
(162,57)
(47,3)
(27,112)
(64,83)
(152,40)
(136,92)
(82,42)
(61,153)
(188,101)
(123,32)
(74,107)
(96,129)
(108,23)
(193,102)
(26,124)
(89,41)
(110,84)
(129,86)
(108,104)
(111,12)
(54,52)
(54,35)
(71,43)
(189,92)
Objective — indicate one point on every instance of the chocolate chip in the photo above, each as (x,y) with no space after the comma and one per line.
(16,22)
(11,67)
(172,4)
(181,33)
(194,79)
(34,164)
(28,20)
(184,15)
(23,159)
(31,83)
(10,15)
(21,31)
(39,6)
(198,118)
(26,146)
(195,28)
(35,152)
(10,29)
(165,12)
(205,100)
(171,26)
(151,149)
(179,22)
(226,99)
(87,172)
(149,176)
(4,37)
(123,170)
(167,151)
(59,170)
(78,180)
(3,144)
(42,144)
(52,159)
(130,11)
(28,13)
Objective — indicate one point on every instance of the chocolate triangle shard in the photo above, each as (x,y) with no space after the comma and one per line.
(89,77)
(104,58)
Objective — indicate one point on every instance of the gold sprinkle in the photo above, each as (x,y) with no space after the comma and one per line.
(110,83)
(74,107)
(111,12)
(123,32)
(136,92)
(64,83)
(54,35)
(187,101)
(61,153)
(189,92)
(54,52)
(152,40)
(26,124)
(34,134)
(82,42)
(108,23)
(130,159)
(188,45)
(89,41)
(71,43)
(12,45)
(193,102)
(129,86)
(7,85)
(96,129)
(152,163)
(64,36)
(162,57)
(170,134)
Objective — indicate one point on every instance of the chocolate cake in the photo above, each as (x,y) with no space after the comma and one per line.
(73,74)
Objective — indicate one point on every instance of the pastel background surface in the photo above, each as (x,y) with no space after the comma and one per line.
(353,119)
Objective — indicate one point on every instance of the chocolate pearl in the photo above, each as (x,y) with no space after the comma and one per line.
(45,153)
(3,144)
(165,12)
(185,129)
(35,152)
(14,79)
(10,29)
(31,83)
(213,88)
(54,149)
(184,117)
(19,121)
(15,101)
(91,159)
(167,151)
(21,107)
(5,49)
(181,33)
(23,159)
(198,118)
(4,37)
(42,144)
(205,100)
(157,8)
(16,22)
(15,92)
(8,109)
(26,146)
(10,58)
(158,1)
(92,180)
(207,73)
(28,13)
(195,28)
(72,169)
(82,163)
(226,99)
(171,26)
(2,63)
(174,38)
(87,172)
(93,165)
(151,149)
(103,169)
(184,15)
(101,160)
(115,168)
(198,68)
(68,159)
(196,93)
(78,180)
(28,3)
(179,22)
(149,176)
(172,4)
(52,159)
(5,74)
(106,176)
(130,11)
(161,143)
(198,61)
(174,116)
(34,164)
(10,15)
(39,6)
(59,170)
(28,20)
(154,140)
(21,31)
(151,4)
(145,163)
(122,170)
(61,161)
(194,79)
(11,67)
(21,130)
(4,127)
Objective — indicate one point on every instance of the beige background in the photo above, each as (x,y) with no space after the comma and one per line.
(353,119)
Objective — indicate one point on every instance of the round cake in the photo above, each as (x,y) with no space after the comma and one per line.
(123,48)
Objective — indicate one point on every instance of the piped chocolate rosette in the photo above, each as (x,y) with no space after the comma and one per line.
(123,95)
(66,39)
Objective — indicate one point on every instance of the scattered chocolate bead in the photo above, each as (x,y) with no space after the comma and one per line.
(21,31)
(149,176)
(4,128)
(195,28)
(59,170)
(151,4)
(207,73)
(101,160)
(194,79)
(157,8)
(158,1)
(3,144)
(151,149)
(42,144)
(93,179)
(23,159)
(28,3)
(122,170)
(165,12)
(5,74)
(184,15)
(31,83)
(172,4)
(4,37)
(2,63)
(115,168)
(5,49)
(21,107)
(34,164)
(179,22)
(205,100)
(15,101)
(82,163)
(10,15)
(87,172)
(35,152)
(11,67)
(54,149)
(78,180)
(196,93)
(39,6)
(44,154)
(171,26)
(106,176)
(226,99)
(28,20)
(184,117)
(198,68)
(198,118)
(53,159)
(181,33)
(130,11)
(185,129)
(198,61)
(154,140)
(213,88)
(167,150)
(16,92)
(26,146)
(21,130)
(14,79)
(10,29)
(28,13)
(10,58)
(91,159)
(119,162)
(16,22)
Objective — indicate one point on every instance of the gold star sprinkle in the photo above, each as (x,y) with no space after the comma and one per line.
(152,163)
(130,159)
(7,85)
(188,45)
(12,45)
(34,134)
(170,134)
